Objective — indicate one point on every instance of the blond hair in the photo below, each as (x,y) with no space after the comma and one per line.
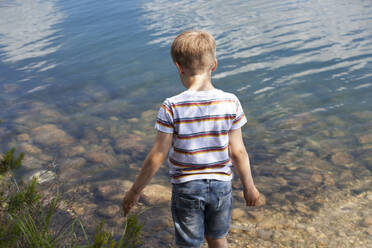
(194,50)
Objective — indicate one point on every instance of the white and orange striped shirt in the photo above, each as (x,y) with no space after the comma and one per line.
(200,122)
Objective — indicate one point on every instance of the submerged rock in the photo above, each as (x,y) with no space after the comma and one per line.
(112,190)
(69,151)
(367,222)
(296,122)
(74,163)
(110,211)
(342,158)
(83,209)
(265,234)
(131,142)
(30,162)
(50,134)
(43,176)
(102,158)
(256,215)
(239,213)
(133,120)
(23,137)
(69,175)
(46,158)
(270,184)
(29,148)
(365,139)
(317,178)
(149,115)
(157,194)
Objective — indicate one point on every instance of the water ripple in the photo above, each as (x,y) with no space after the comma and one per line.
(268,35)
(27,31)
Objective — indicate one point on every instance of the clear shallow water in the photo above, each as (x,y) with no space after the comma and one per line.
(99,70)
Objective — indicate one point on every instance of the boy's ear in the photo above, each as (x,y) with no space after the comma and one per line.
(215,65)
(180,69)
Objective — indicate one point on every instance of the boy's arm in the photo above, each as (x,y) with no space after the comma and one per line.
(240,160)
(150,166)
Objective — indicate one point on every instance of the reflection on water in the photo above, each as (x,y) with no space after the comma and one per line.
(271,35)
(27,31)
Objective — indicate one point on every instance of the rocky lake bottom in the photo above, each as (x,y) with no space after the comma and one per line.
(316,189)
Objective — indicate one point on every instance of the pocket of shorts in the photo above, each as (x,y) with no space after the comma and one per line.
(224,196)
(225,189)
(187,204)
(224,201)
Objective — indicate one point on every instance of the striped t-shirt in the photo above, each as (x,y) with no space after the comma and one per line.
(200,122)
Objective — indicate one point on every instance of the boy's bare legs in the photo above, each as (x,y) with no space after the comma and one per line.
(216,243)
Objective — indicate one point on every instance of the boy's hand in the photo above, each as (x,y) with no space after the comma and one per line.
(130,199)
(251,196)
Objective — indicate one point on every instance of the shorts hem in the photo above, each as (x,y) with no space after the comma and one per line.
(217,236)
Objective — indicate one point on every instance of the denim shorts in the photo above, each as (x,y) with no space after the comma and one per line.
(201,208)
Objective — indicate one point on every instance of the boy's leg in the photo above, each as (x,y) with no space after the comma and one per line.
(218,213)
(216,243)
(188,213)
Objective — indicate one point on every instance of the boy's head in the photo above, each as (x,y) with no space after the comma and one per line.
(195,51)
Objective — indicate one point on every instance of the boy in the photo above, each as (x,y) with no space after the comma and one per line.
(202,128)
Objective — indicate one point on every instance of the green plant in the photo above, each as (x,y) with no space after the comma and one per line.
(9,162)
(26,216)
(130,237)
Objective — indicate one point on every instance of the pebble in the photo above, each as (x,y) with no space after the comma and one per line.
(262,200)
(265,234)
(365,139)
(83,208)
(368,221)
(109,211)
(311,229)
(317,178)
(342,158)
(133,120)
(256,215)
(238,213)
(369,196)
(266,223)
(100,129)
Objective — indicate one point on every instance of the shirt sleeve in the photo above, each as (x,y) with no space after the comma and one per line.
(164,120)
(240,118)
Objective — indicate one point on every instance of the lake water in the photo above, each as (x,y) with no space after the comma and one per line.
(81,83)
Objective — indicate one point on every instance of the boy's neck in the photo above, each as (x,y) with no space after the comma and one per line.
(200,82)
